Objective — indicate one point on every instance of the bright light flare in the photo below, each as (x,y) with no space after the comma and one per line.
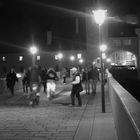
(60,56)
(72,58)
(79,55)
(108,60)
(81,61)
(103,48)
(33,50)
(103,55)
(18,75)
(99,16)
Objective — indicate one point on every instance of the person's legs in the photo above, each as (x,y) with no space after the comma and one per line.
(79,99)
(89,83)
(24,87)
(94,83)
(86,86)
(53,88)
(92,86)
(44,86)
(12,90)
(64,79)
(72,98)
(48,89)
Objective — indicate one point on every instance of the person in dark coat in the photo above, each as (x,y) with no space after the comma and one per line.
(93,77)
(76,87)
(64,75)
(11,79)
(44,78)
(24,82)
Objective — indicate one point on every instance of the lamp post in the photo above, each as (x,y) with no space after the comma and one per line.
(33,51)
(99,16)
(60,57)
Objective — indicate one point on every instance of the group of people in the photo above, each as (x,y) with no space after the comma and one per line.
(47,78)
(34,74)
(42,76)
(89,78)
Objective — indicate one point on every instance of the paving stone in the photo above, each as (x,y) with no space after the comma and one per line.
(50,121)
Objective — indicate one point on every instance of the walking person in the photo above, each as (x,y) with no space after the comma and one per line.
(93,77)
(24,82)
(28,81)
(51,82)
(11,79)
(85,79)
(76,87)
(64,75)
(44,78)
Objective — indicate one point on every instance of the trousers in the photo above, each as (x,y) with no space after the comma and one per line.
(77,94)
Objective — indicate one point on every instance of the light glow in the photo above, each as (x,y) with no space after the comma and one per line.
(60,56)
(103,55)
(103,48)
(81,61)
(33,50)
(108,60)
(72,58)
(79,55)
(99,16)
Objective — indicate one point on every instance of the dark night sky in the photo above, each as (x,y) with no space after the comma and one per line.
(24,21)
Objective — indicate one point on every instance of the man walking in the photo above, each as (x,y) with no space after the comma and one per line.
(93,76)
(76,87)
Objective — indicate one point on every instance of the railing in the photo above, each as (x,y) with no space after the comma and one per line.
(126,111)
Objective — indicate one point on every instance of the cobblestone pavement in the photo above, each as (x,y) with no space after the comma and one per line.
(53,120)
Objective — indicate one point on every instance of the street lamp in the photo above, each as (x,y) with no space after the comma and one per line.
(72,58)
(33,51)
(60,56)
(81,61)
(99,16)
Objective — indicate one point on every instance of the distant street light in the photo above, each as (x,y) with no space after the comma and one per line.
(59,56)
(99,16)
(108,60)
(103,48)
(81,61)
(72,58)
(103,56)
(33,51)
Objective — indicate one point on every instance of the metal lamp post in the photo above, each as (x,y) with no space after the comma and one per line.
(33,51)
(99,16)
(60,57)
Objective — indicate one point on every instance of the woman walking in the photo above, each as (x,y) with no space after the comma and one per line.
(11,79)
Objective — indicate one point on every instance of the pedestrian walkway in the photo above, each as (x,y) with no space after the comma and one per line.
(94,124)
(58,121)
(20,99)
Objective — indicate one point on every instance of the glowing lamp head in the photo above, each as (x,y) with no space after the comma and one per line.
(108,60)
(99,16)
(81,61)
(72,58)
(103,48)
(60,56)
(33,50)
